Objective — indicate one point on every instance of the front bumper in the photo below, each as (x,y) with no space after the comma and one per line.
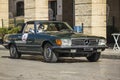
(78,50)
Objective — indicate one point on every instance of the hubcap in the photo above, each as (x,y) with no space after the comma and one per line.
(12,50)
(48,53)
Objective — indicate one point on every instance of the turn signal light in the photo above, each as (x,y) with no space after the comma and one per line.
(58,42)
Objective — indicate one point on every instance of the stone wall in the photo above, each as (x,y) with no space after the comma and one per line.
(99,17)
(83,10)
(29,9)
(41,9)
(92,13)
(13,7)
(12,10)
(36,10)
(4,13)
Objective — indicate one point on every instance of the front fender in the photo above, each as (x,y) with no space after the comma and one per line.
(47,41)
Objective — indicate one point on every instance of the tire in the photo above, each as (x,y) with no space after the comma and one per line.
(13,52)
(94,57)
(49,55)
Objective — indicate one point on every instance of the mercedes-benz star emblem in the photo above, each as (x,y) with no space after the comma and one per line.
(86,42)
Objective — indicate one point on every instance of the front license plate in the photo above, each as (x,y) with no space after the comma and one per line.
(88,49)
(73,50)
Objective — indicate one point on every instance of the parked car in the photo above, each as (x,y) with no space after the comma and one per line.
(53,39)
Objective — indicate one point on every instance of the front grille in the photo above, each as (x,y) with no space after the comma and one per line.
(83,42)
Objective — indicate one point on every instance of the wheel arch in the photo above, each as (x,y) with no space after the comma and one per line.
(10,45)
(45,42)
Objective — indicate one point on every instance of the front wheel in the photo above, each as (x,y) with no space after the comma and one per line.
(14,53)
(94,57)
(49,55)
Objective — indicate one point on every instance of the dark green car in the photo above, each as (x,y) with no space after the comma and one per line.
(53,39)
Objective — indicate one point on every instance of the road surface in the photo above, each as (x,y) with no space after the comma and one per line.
(33,68)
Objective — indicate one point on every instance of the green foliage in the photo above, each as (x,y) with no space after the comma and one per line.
(3,31)
(14,30)
(11,30)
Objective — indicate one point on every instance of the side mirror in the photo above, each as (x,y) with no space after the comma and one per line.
(78,29)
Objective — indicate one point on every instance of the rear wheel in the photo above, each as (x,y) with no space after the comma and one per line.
(49,55)
(14,53)
(94,57)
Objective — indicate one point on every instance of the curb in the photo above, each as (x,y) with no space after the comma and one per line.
(110,56)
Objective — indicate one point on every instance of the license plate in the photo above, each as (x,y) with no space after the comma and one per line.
(73,50)
(88,49)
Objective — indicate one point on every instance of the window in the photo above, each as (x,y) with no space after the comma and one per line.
(29,28)
(41,27)
(52,10)
(20,8)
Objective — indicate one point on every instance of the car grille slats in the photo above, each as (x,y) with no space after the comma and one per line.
(84,42)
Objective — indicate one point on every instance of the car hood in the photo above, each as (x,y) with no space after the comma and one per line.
(71,35)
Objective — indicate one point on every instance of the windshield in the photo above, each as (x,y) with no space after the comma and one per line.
(53,26)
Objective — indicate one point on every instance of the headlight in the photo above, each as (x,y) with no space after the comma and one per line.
(63,42)
(66,42)
(102,42)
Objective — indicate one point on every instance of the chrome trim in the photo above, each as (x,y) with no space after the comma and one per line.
(84,41)
(79,47)
(29,51)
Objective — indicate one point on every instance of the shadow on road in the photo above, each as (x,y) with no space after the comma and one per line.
(40,58)
(2,48)
(5,56)
(72,60)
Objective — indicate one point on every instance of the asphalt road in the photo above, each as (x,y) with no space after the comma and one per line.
(33,68)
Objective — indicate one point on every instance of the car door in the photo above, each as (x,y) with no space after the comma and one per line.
(34,41)
(29,37)
(26,40)
(31,45)
(18,38)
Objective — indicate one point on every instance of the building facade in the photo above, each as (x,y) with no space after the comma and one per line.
(99,17)
(4,13)
(16,8)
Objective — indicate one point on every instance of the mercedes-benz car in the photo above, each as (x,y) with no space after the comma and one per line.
(53,39)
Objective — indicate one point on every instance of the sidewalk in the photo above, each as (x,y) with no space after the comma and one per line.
(108,53)
(111,54)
